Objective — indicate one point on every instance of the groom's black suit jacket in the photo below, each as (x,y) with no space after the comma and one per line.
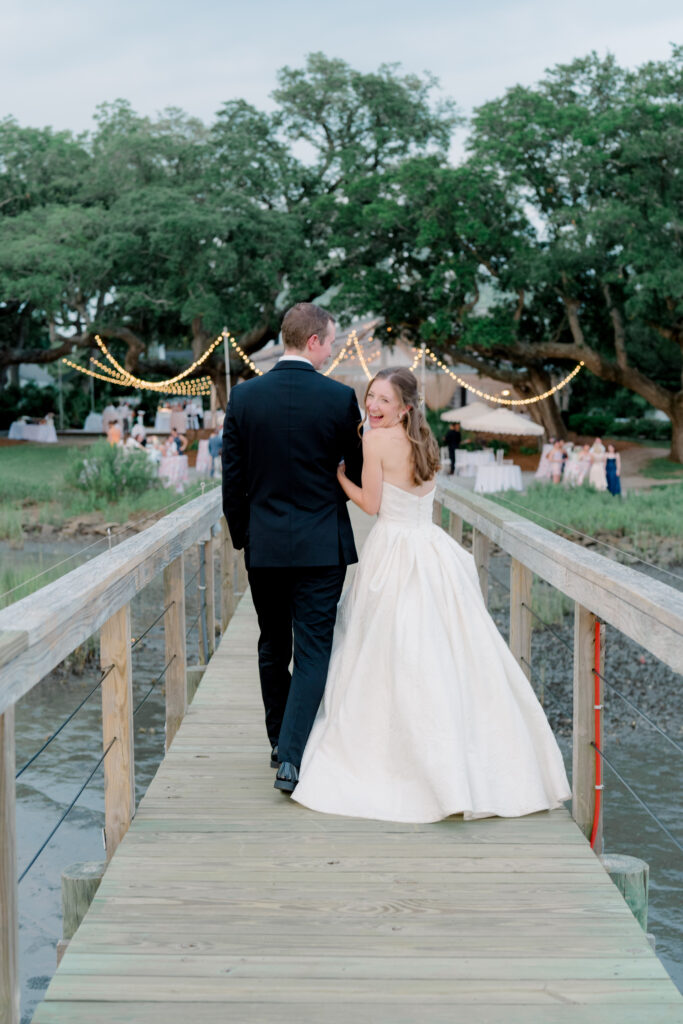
(283,438)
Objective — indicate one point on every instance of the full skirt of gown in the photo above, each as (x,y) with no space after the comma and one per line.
(426,712)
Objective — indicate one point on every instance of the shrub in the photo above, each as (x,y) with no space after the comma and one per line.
(108,471)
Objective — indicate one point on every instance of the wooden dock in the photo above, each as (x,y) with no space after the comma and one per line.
(226,901)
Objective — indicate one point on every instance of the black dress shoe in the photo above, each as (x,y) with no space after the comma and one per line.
(287,777)
(274,759)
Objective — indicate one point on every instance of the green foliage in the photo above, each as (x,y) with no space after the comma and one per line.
(601,424)
(109,471)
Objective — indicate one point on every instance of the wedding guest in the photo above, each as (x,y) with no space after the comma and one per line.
(596,476)
(544,470)
(138,430)
(114,432)
(178,440)
(613,470)
(215,448)
(584,464)
(452,440)
(556,458)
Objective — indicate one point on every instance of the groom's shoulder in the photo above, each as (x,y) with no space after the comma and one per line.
(334,387)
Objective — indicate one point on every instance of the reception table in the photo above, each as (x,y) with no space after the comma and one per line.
(45,433)
(162,421)
(498,478)
(466,463)
(93,423)
(174,470)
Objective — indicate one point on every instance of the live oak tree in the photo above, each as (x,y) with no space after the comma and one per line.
(168,229)
(595,152)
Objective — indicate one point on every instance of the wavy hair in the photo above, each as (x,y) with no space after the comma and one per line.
(425,451)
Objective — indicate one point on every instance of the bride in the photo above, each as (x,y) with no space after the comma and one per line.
(426,713)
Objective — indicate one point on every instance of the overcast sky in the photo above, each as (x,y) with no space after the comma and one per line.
(59,60)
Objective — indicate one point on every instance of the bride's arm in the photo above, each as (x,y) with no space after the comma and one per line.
(369,495)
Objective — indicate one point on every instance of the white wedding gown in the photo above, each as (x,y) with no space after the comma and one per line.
(426,713)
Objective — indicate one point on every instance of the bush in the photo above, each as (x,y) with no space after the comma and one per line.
(108,471)
(601,424)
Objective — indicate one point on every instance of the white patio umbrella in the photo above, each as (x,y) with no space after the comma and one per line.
(467,414)
(504,421)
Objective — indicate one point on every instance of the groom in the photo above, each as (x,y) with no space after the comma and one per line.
(284,435)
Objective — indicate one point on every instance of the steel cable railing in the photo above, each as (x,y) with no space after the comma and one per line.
(66,812)
(560,704)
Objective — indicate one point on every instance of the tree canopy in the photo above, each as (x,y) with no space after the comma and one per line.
(557,239)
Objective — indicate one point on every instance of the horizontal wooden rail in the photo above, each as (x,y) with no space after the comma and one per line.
(643,609)
(39,631)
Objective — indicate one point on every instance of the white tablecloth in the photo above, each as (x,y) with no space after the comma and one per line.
(498,478)
(203,464)
(93,423)
(43,432)
(174,469)
(466,462)
(162,422)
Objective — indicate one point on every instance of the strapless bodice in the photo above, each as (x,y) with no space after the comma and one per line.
(401,508)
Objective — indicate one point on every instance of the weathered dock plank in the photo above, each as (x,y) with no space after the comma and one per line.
(226,901)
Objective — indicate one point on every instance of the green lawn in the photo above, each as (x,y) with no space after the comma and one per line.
(34,490)
(663,469)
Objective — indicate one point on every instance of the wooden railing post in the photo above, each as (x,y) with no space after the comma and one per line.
(480,549)
(583,754)
(227,576)
(174,633)
(437,513)
(9,920)
(520,616)
(455,526)
(117,726)
(210,594)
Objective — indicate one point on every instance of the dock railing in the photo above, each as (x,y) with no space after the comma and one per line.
(603,591)
(39,631)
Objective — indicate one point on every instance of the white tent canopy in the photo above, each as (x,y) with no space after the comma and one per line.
(504,421)
(467,414)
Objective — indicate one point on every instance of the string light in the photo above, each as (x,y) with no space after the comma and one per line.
(199,386)
(343,353)
(496,398)
(361,358)
(157,385)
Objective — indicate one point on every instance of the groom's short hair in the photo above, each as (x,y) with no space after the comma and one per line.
(303,320)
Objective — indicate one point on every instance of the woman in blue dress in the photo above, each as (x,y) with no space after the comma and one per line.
(613,470)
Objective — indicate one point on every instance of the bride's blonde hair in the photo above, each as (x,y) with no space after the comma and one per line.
(425,450)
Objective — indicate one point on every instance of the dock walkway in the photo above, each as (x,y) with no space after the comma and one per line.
(228,902)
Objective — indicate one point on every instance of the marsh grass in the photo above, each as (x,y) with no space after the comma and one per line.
(11,525)
(644,522)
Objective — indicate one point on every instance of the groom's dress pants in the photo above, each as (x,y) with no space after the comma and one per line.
(296,609)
